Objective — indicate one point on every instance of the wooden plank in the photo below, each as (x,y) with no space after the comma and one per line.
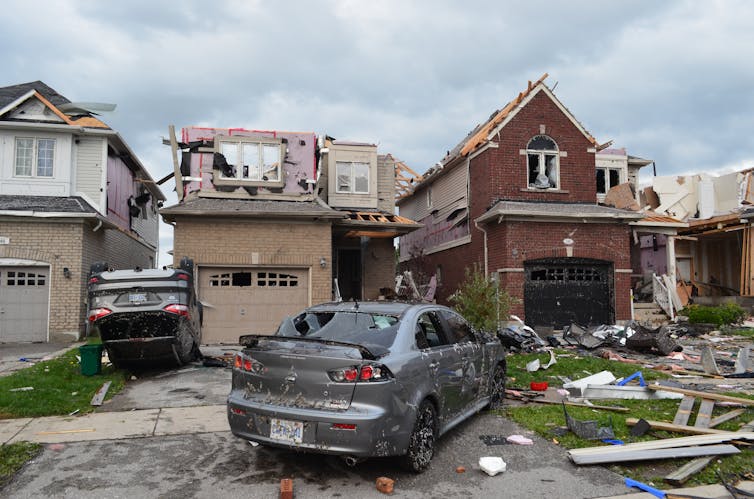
(677,428)
(703,395)
(679,476)
(99,397)
(576,404)
(705,413)
(684,410)
(176,166)
(725,417)
(650,454)
(667,443)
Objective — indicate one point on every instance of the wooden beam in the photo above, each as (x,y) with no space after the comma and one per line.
(684,410)
(666,443)
(704,415)
(679,476)
(176,166)
(703,395)
(650,454)
(576,404)
(725,417)
(677,428)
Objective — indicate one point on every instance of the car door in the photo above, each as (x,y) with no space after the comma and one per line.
(471,352)
(443,361)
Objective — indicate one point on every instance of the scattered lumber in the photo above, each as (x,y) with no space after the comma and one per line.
(649,454)
(99,397)
(682,474)
(722,418)
(576,404)
(703,395)
(677,428)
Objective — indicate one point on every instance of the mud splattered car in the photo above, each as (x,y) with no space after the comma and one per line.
(364,379)
(146,316)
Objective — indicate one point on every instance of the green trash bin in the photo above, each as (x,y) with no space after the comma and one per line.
(91,359)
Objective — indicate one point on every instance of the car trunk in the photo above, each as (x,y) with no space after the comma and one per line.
(295,374)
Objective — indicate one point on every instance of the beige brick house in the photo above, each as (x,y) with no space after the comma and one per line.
(273,220)
(71,193)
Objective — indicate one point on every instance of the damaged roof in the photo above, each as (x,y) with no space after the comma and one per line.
(503,209)
(376,224)
(50,97)
(46,204)
(205,206)
(480,135)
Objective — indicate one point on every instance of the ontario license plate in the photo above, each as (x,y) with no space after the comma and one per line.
(286,431)
(137,297)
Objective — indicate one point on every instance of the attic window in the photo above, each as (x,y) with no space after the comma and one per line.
(607,178)
(352,177)
(249,160)
(34,157)
(542,163)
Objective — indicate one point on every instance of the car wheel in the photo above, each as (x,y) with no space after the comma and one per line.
(421,443)
(497,386)
(196,353)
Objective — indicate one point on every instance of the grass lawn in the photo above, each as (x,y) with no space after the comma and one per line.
(545,419)
(14,456)
(59,388)
(746,332)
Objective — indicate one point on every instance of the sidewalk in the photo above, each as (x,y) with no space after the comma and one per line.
(116,425)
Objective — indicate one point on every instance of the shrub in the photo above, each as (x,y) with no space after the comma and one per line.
(480,300)
(727,313)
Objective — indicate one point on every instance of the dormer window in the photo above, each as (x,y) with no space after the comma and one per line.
(249,160)
(34,157)
(542,163)
(352,177)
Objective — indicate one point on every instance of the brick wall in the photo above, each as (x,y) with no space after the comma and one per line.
(72,245)
(229,242)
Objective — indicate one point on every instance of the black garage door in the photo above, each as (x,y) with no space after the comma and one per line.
(559,291)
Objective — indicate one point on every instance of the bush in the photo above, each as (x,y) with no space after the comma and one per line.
(480,300)
(727,313)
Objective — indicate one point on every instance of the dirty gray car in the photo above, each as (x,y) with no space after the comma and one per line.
(364,379)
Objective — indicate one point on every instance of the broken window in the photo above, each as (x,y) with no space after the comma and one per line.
(250,160)
(34,157)
(542,163)
(219,280)
(274,279)
(607,178)
(352,177)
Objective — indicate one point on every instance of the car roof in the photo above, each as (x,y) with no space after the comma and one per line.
(375,307)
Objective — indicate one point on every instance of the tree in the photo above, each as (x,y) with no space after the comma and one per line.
(480,300)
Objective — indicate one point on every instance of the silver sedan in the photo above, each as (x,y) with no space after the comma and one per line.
(364,379)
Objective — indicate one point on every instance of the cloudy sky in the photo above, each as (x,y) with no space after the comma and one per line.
(672,81)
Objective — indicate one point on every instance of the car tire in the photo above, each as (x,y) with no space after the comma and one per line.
(497,386)
(421,443)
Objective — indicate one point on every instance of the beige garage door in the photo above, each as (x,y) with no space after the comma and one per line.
(24,298)
(241,301)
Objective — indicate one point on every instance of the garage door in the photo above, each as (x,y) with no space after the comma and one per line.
(24,299)
(560,291)
(241,301)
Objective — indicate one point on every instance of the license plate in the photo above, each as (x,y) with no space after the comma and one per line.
(286,431)
(137,297)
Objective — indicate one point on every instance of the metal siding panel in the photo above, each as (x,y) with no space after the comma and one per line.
(89,168)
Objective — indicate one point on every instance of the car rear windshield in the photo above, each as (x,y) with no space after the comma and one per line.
(359,328)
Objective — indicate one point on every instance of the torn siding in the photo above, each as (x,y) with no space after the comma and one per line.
(298,163)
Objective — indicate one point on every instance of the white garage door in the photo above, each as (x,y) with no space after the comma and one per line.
(24,298)
(241,301)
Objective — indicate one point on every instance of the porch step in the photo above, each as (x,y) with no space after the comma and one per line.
(650,314)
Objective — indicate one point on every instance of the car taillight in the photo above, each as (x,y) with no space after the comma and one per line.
(342,426)
(354,374)
(244,363)
(183,277)
(178,309)
(93,280)
(98,313)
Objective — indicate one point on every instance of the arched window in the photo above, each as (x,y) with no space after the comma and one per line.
(542,162)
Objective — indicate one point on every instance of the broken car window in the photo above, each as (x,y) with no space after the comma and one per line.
(347,327)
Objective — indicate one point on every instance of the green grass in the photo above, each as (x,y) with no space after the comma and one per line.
(14,456)
(746,332)
(59,388)
(546,419)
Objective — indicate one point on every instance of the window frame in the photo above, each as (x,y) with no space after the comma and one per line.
(542,155)
(351,177)
(606,178)
(35,156)
(239,142)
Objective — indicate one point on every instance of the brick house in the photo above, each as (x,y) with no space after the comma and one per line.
(274,219)
(71,193)
(518,197)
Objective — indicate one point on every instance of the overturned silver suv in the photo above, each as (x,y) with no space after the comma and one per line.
(146,315)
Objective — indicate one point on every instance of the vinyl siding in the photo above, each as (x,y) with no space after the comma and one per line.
(89,164)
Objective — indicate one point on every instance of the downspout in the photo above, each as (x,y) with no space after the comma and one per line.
(98,226)
(476,224)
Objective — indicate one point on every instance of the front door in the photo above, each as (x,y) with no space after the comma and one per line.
(349,274)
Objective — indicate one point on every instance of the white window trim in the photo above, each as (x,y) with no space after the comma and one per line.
(35,158)
(239,141)
(622,174)
(352,177)
(543,153)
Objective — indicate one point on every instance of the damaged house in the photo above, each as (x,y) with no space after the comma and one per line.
(276,221)
(518,196)
(71,193)
(708,257)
